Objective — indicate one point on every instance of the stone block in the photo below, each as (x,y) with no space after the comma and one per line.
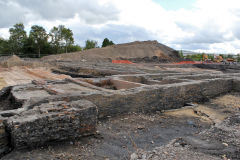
(53,121)
(4,140)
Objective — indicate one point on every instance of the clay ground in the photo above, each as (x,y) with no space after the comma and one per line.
(121,136)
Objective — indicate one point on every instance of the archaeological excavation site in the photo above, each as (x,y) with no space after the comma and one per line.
(129,101)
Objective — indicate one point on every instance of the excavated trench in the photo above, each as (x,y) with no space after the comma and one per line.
(70,109)
(80,72)
(8,101)
(120,136)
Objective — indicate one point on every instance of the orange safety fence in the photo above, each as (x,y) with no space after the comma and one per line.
(122,62)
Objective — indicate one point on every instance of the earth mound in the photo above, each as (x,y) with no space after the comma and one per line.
(12,61)
(136,51)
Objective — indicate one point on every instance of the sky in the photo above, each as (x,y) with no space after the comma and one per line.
(211,26)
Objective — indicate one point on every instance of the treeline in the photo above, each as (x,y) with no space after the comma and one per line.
(39,43)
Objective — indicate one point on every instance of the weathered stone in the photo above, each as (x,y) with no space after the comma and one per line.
(54,121)
(56,111)
(4,142)
(155,98)
(236,84)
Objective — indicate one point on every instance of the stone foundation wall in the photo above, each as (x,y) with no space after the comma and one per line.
(153,98)
(56,121)
(4,141)
(236,85)
(53,117)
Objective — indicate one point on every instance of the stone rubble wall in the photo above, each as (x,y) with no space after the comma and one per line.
(58,117)
(4,141)
(57,121)
(156,98)
(236,84)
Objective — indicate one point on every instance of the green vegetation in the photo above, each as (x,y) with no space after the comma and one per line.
(238,57)
(211,57)
(4,46)
(181,54)
(67,36)
(40,43)
(199,57)
(38,37)
(90,44)
(18,37)
(61,37)
(106,42)
(195,57)
(225,56)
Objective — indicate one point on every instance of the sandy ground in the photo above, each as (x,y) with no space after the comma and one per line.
(22,75)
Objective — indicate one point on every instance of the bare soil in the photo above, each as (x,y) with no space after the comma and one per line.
(134,50)
(22,75)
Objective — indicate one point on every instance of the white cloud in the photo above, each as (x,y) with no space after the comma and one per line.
(4,33)
(211,25)
(90,11)
(116,32)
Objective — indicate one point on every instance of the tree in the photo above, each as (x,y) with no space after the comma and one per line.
(106,42)
(238,57)
(61,36)
(4,47)
(29,48)
(211,56)
(39,36)
(37,43)
(17,38)
(181,54)
(55,35)
(229,56)
(67,37)
(90,44)
(74,48)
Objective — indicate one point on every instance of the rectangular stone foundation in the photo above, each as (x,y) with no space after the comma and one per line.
(154,98)
(49,122)
(68,116)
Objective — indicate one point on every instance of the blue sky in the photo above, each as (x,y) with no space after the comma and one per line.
(176,4)
(197,25)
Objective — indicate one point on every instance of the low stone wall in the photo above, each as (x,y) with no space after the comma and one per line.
(4,141)
(54,121)
(236,84)
(153,98)
(228,68)
(148,98)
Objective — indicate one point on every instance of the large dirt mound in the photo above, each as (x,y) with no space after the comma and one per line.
(133,51)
